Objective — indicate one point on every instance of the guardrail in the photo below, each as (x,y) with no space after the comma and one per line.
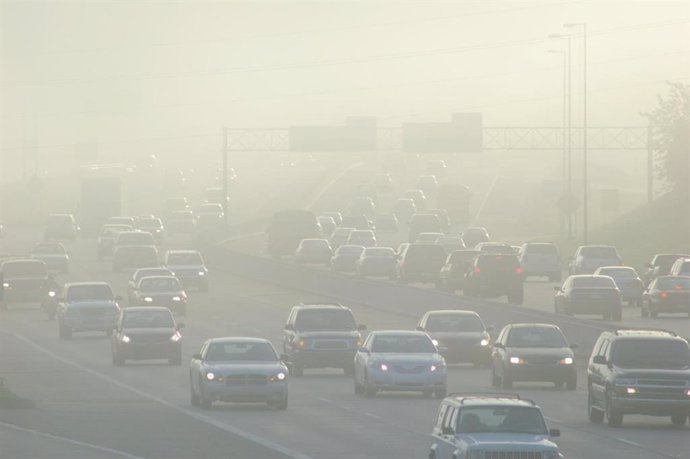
(398,299)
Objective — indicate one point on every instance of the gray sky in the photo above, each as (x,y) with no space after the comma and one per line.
(176,72)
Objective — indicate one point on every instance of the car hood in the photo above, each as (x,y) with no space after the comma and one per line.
(162,293)
(89,303)
(157,331)
(226,368)
(458,336)
(508,441)
(330,335)
(393,357)
(644,373)
(540,351)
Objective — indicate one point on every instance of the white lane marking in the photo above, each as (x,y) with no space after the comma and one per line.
(241,237)
(485,200)
(198,416)
(68,440)
(628,442)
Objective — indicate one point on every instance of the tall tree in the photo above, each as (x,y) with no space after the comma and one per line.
(670,123)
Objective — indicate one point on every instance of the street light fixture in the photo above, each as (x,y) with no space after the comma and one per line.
(584,128)
(569,194)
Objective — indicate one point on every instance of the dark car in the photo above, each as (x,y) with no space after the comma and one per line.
(474,235)
(161,291)
(358,222)
(458,264)
(23,281)
(495,275)
(154,226)
(461,334)
(189,267)
(423,223)
(135,256)
(321,336)
(404,209)
(661,265)
(533,352)
(377,262)
(145,333)
(589,294)
(61,227)
(386,223)
(136,277)
(450,243)
(418,197)
(340,237)
(86,307)
(363,205)
(345,258)
(639,372)
(627,281)
(669,294)
(421,263)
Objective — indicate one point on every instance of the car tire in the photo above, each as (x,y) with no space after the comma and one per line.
(369,389)
(506,382)
(193,398)
(65,332)
(614,417)
(678,419)
(595,415)
(571,383)
(440,393)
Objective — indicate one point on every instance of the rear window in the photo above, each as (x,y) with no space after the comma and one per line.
(454,323)
(24,268)
(325,320)
(594,281)
(652,353)
(425,252)
(498,262)
(545,249)
(350,250)
(185,259)
(89,292)
(379,252)
(599,252)
(664,262)
(673,283)
(460,256)
(151,272)
(619,273)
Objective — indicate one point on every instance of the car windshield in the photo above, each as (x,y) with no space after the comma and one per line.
(135,239)
(147,319)
(379,252)
(535,337)
(454,323)
(89,292)
(350,250)
(501,419)
(415,344)
(191,258)
(362,234)
(24,268)
(49,249)
(673,283)
(618,273)
(593,281)
(159,284)
(541,249)
(653,353)
(325,320)
(599,252)
(150,223)
(242,352)
(496,248)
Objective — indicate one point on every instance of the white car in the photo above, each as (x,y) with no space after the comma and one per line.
(588,258)
(53,254)
(540,259)
(238,370)
(399,360)
(189,267)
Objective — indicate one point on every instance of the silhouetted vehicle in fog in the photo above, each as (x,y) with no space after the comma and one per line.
(474,235)
(363,205)
(681,267)
(287,228)
(134,257)
(458,264)
(61,227)
(327,225)
(140,273)
(386,223)
(145,333)
(378,262)
(443,219)
(161,291)
(450,243)
(428,238)
(53,254)
(495,275)
(428,184)
(588,258)
(359,222)
(365,238)
(418,197)
(404,209)
(154,226)
(462,333)
(421,263)
(423,223)
(345,258)
(661,265)
(589,294)
(87,306)
(314,251)
(541,259)
(340,237)
(181,221)
(23,281)
(336,216)
(670,294)
(627,281)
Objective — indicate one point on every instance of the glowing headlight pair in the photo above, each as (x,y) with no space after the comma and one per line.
(517,360)
(125,339)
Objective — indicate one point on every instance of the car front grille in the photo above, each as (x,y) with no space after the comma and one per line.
(96,311)
(542,360)
(409,369)
(662,382)
(245,380)
(513,455)
(149,339)
(330,344)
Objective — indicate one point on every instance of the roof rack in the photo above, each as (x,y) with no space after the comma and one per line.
(319,303)
(464,395)
(643,331)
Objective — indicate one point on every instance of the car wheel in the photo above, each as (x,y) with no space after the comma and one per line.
(65,332)
(440,393)
(614,416)
(204,402)
(369,389)
(595,415)
(358,388)
(571,383)
(678,419)
(193,398)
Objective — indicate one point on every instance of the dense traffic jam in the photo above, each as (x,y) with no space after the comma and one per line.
(629,371)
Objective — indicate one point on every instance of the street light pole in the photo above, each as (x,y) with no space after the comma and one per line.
(225,177)
(569,129)
(564,166)
(585,181)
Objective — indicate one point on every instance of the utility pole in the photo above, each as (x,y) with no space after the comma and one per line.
(225,178)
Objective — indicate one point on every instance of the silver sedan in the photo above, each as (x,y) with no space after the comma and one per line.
(244,370)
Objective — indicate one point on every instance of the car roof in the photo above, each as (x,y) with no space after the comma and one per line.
(83,284)
(490,400)
(157,277)
(534,325)
(312,306)
(632,333)
(146,308)
(459,312)
(182,251)
(238,339)
(398,332)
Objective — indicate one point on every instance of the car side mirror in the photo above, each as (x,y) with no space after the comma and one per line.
(447,431)
(180,325)
(574,346)
(419,328)
(289,327)
(599,360)
(361,327)
(196,356)
(554,433)
(499,346)
(490,328)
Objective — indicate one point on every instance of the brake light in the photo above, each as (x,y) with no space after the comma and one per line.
(663,295)
(498,257)
(477,270)
(518,270)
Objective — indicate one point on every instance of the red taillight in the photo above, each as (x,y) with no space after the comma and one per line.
(663,295)
(477,270)
(518,270)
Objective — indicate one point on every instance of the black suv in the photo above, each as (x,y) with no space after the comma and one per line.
(494,275)
(639,372)
(321,336)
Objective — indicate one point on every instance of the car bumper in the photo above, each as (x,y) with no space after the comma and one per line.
(323,358)
(461,353)
(144,351)
(534,372)
(653,406)
(90,323)
(266,392)
(406,382)
(592,306)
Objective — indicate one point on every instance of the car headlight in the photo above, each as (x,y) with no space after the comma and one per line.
(51,294)
(484,342)
(210,376)
(475,454)
(436,366)
(148,299)
(125,339)
(202,273)
(517,360)
(566,361)
(278,377)
(6,284)
(383,367)
(176,298)
(176,337)
(435,342)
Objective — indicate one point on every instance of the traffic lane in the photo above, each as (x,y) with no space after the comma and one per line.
(79,404)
